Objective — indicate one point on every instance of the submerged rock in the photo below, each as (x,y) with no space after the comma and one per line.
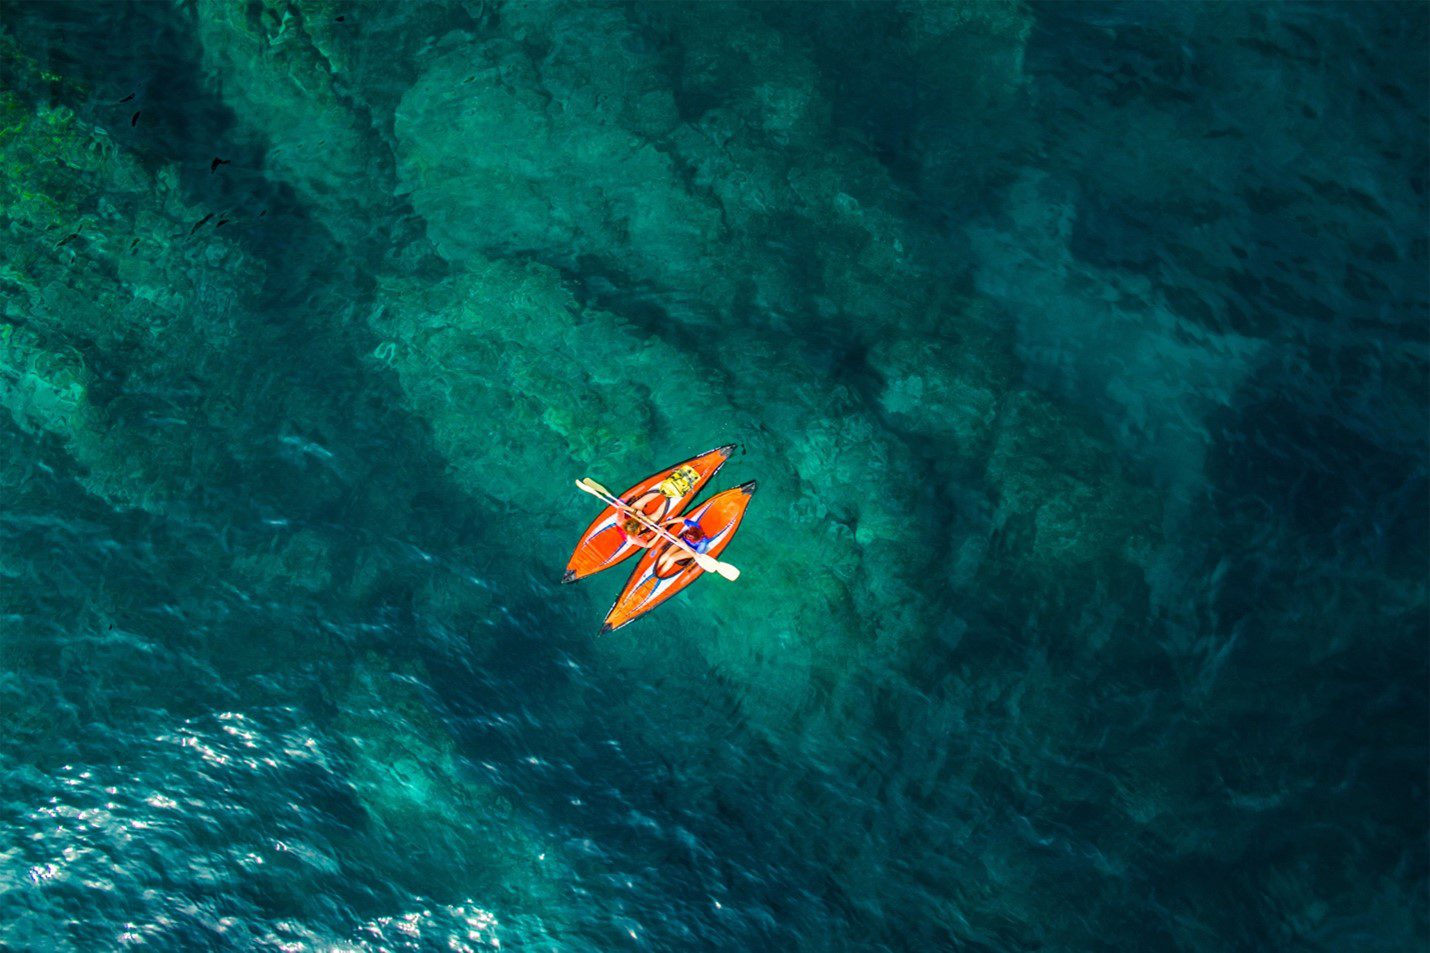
(446,834)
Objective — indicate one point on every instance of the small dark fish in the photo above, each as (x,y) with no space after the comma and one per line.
(126,99)
(213,166)
(133,243)
(222,222)
(340,19)
(263,213)
(134,119)
(67,239)
(200,222)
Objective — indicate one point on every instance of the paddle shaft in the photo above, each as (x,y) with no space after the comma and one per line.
(708,563)
(609,497)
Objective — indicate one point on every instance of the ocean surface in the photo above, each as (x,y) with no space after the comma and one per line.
(1080,351)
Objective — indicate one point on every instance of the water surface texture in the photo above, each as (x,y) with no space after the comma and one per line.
(1080,351)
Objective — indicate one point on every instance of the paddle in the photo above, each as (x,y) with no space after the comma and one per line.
(707,563)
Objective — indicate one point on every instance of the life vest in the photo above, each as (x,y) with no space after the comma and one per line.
(680,482)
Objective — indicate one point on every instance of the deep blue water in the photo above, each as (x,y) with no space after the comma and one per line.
(1080,351)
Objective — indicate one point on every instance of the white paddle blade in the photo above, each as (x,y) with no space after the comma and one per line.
(593,485)
(711,564)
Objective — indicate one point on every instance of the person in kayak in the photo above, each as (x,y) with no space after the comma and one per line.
(675,559)
(637,533)
(653,504)
(693,535)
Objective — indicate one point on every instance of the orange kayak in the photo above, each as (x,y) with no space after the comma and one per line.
(663,571)
(603,544)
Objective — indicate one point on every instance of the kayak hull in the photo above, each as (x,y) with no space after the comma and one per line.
(654,580)
(603,545)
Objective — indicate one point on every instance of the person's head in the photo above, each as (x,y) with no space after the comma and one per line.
(632,526)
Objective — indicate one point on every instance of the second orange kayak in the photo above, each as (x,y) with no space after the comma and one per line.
(662,572)
(603,545)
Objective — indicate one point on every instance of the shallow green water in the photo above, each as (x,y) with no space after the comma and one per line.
(1080,351)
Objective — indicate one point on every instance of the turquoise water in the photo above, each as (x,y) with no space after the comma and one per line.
(1080,351)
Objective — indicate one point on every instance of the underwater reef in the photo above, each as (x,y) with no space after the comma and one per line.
(1081,351)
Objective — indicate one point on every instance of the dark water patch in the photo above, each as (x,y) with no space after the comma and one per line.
(1305,176)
